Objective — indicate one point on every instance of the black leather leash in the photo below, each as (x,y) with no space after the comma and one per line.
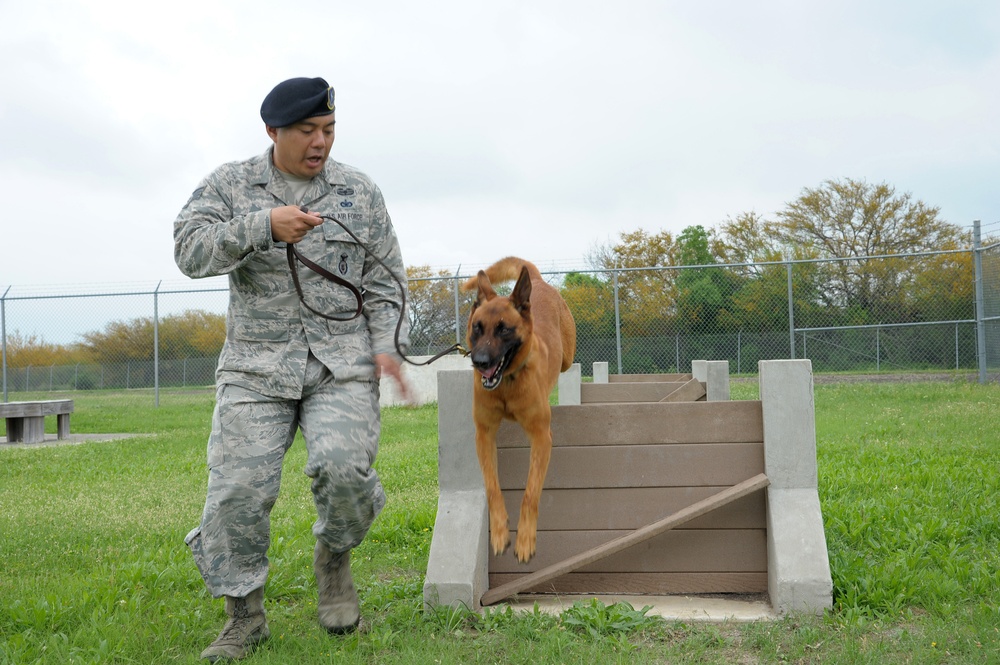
(295,257)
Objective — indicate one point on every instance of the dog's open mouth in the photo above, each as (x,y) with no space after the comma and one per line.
(492,376)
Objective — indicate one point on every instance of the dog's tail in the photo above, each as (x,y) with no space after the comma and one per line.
(505,270)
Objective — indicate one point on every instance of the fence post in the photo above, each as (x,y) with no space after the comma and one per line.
(618,319)
(3,338)
(977,248)
(878,348)
(156,344)
(791,314)
(956,347)
(458,315)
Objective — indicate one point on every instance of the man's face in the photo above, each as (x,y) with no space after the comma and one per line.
(301,149)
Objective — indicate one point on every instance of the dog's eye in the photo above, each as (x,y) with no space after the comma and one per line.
(502,329)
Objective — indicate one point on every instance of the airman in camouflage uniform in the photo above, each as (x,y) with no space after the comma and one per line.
(283,367)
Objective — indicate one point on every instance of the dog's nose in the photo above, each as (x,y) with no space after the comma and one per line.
(481,360)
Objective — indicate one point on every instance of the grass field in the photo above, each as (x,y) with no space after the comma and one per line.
(93,568)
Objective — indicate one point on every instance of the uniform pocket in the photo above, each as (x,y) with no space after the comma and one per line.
(346,254)
(216,446)
(260,330)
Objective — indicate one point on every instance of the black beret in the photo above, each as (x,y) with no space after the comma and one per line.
(296,99)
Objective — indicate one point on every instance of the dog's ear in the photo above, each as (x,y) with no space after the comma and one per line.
(520,297)
(486,291)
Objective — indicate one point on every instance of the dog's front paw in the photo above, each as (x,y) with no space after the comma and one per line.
(525,547)
(499,539)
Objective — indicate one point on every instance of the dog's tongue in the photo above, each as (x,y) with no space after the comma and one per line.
(488,373)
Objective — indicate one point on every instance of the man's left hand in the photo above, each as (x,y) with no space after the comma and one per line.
(386,364)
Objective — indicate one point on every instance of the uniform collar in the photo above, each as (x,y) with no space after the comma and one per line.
(263,172)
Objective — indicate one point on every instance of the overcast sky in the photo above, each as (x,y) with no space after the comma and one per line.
(539,128)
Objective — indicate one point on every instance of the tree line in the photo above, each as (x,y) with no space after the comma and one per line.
(734,278)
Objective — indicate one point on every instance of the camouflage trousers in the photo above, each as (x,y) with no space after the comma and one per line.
(250,434)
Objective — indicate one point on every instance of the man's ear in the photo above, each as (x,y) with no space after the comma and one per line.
(272,132)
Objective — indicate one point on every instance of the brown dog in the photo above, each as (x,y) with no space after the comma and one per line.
(518,345)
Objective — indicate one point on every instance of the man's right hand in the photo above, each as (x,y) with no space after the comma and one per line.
(290,224)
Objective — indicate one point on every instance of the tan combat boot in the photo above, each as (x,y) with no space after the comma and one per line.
(246,628)
(339,609)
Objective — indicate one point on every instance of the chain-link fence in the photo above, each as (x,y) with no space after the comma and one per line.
(936,311)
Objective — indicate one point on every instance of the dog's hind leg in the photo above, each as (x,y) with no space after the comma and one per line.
(486,450)
(527,524)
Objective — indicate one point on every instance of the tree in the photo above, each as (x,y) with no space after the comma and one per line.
(647,297)
(191,334)
(194,333)
(854,219)
(704,291)
(33,351)
(591,301)
(430,308)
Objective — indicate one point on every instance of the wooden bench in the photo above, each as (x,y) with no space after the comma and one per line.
(26,420)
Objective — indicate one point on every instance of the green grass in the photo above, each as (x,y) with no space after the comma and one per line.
(93,568)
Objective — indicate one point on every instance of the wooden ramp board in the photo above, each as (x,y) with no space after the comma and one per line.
(655,378)
(675,465)
(689,391)
(647,423)
(626,508)
(659,584)
(608,393)
(621,543)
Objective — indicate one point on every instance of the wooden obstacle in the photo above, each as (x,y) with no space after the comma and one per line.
(708,380)
(652,498)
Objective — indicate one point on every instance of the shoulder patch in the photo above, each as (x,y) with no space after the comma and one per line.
(195,195)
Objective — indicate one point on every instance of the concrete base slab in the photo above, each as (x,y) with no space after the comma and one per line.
(72,439)
(709,609)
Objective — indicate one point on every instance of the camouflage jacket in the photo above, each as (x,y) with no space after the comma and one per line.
(225,228)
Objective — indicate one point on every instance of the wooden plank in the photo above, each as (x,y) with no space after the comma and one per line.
(589,509)
(32,409)
(608,393)
(690,391)
(654,422)
(749,486)
(681,465)
(675,551)
(640,378)
(643,583)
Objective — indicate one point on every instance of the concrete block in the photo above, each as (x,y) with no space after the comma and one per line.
(458,466)
(699,370)
(600,372)
(569,385)
(457,569)
(786,395)
(717,380)
(798,567)
(798,564)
